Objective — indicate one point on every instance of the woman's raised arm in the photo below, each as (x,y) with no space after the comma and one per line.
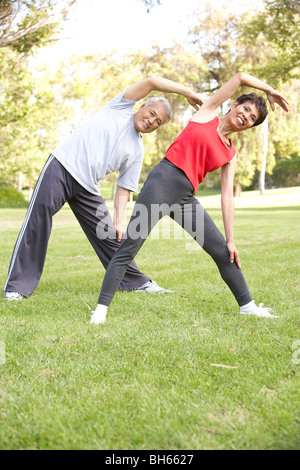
(227,91)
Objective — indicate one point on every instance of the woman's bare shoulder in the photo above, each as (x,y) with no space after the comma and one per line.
(205,114)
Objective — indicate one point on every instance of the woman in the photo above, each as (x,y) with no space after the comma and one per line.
(203,146)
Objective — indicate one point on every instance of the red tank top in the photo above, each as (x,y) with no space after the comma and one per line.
(198,150)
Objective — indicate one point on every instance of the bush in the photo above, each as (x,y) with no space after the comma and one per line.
(11,197)
(287,171)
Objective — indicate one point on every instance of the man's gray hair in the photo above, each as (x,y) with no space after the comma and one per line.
(165,102)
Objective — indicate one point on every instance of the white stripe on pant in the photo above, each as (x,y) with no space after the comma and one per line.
(31,205)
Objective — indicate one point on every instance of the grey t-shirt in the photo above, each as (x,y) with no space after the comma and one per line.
(104,143)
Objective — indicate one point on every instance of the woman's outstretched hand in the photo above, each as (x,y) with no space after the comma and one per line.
(275,97)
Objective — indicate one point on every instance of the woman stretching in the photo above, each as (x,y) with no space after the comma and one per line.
(203,146)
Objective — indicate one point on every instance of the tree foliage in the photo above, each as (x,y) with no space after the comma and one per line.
(278,26)
(38,109)
(230,42)
(28,103)
(30,106)
(27,24)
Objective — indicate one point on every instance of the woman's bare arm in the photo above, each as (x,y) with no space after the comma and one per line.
(210,107)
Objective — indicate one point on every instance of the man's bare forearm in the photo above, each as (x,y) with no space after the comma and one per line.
(153,83)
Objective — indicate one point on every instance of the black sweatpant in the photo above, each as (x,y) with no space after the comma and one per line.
(53,189)
(168,191)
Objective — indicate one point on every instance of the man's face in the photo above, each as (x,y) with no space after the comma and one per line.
(148,118)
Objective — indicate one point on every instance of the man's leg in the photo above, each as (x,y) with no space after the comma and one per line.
(29,254)
(94,218)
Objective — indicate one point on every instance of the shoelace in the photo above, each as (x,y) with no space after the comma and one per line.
(267,309)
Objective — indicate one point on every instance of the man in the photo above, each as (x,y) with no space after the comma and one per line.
(108,141)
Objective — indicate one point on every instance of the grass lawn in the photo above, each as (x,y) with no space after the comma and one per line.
(182,371)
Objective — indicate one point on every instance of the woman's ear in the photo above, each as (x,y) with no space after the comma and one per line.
(233,105)
(230,109)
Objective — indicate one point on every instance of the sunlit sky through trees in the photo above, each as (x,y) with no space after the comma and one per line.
(103,26)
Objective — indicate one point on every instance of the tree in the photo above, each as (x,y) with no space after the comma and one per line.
(27,103)
(229,43)
(216,37)
(29,107)
(286,139)
(25,24)
(287,171)
(277,26)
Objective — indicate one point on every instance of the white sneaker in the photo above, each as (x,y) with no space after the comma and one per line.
(13,296)
(152,288)
(99,315)
(258,311)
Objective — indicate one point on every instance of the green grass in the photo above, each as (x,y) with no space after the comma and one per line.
(148,378)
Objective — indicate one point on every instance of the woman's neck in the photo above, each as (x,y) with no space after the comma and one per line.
(224,129)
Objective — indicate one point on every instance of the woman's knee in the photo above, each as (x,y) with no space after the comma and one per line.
(219,252)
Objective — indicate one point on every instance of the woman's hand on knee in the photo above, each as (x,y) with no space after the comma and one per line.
(233,254)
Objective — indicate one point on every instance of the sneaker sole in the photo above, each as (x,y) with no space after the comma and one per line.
(258,316)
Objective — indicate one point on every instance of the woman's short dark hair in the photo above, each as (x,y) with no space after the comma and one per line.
(260,104)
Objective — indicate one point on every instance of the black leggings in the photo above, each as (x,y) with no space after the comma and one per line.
(168,191)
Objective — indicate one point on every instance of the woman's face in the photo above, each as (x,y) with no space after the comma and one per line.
(243,116)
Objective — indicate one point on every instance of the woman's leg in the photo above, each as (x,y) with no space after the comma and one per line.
(137,232)
(165,187)
(209,237)
(215,245)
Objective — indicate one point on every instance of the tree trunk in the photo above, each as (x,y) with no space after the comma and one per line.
(237,189)
(262,173)
(20,181)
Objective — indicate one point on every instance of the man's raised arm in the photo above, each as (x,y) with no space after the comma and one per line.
(142,88)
